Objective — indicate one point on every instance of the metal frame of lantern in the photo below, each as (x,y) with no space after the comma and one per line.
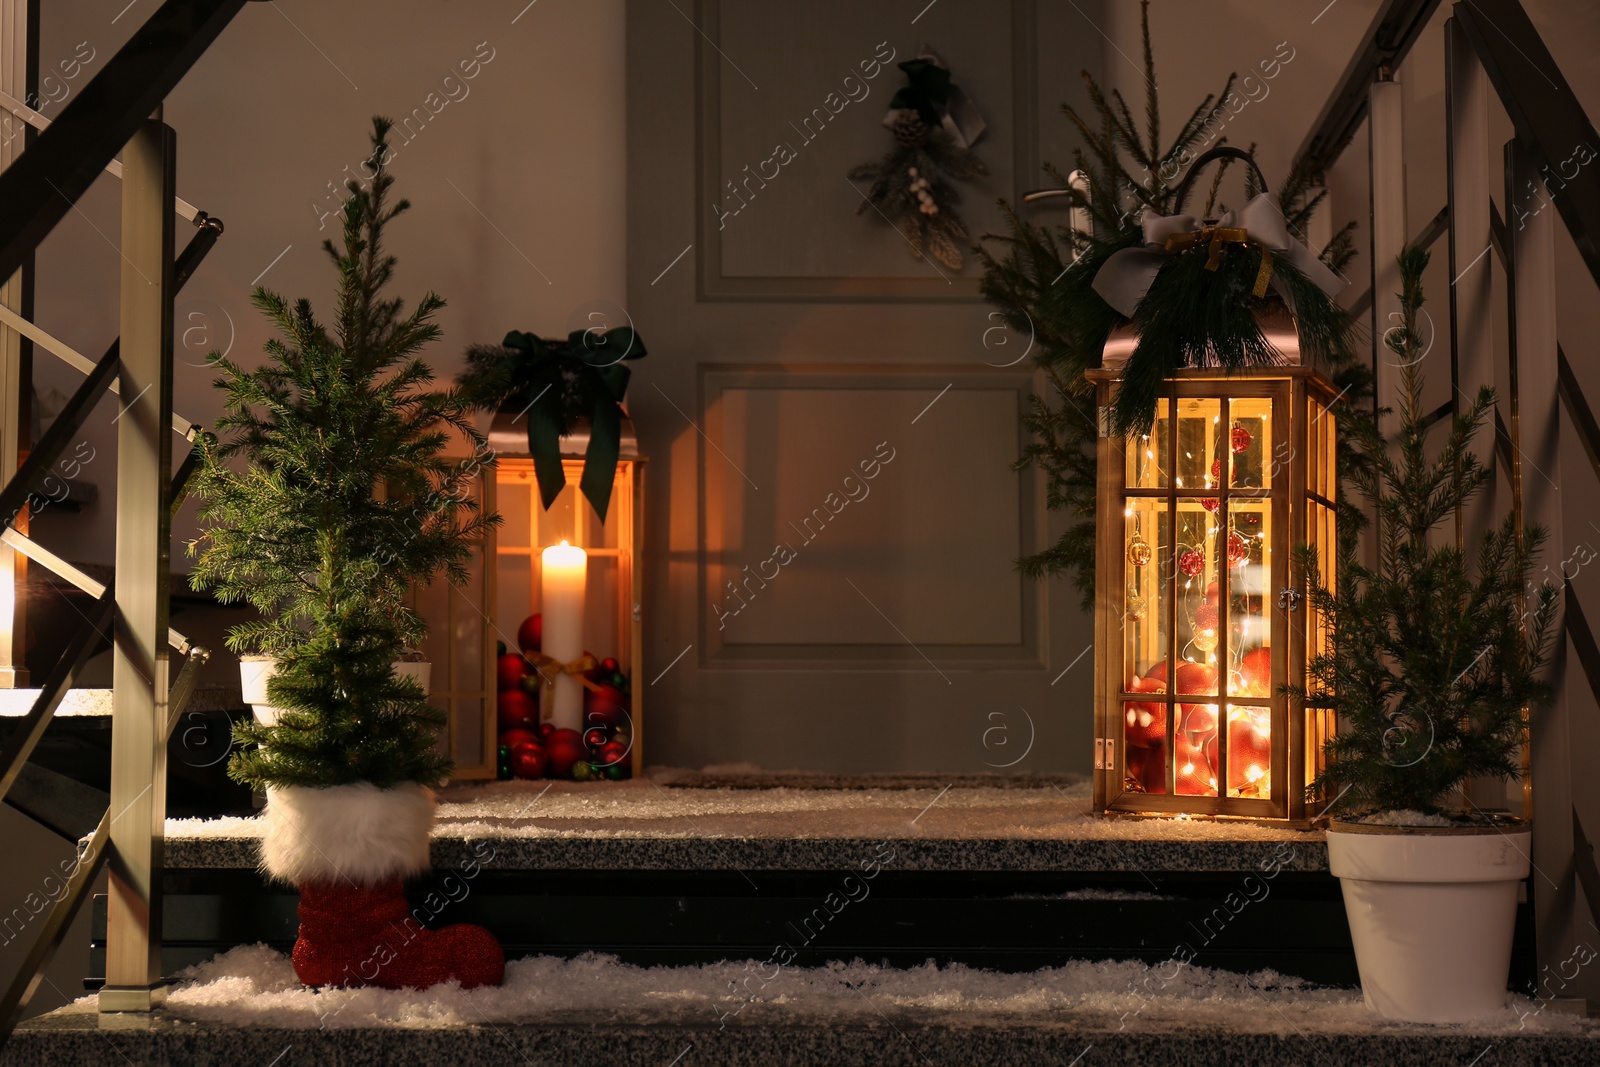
(466,623)
(1193,569)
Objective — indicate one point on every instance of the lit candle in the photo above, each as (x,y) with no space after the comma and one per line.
(566,569)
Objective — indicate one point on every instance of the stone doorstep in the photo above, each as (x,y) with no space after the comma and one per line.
(72,1036)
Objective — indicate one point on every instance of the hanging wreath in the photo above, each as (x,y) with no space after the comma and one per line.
(934,125)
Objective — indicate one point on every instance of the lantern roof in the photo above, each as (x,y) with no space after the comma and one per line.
(508,436)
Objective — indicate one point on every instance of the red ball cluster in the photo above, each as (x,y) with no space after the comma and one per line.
(529,748)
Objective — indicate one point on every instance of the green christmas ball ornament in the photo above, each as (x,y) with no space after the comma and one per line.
(617,772)
(618,679)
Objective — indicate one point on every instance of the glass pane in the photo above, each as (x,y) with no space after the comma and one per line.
(1145,741)
(1248,443)
(1198,562)
(1198,467)
(1197,754)
(1249,752)
(1320,535)
(1144,612)
(1248,551)
(1148,455)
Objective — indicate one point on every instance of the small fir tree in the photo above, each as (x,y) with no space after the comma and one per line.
(1429,666)
(345,499)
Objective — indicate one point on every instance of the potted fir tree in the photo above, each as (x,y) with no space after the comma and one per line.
(1431,664)
(343,500)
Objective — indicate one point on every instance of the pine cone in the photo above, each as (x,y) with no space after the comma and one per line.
(910,130)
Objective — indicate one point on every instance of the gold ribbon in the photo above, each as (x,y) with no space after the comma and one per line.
(1216,237)
(548,667)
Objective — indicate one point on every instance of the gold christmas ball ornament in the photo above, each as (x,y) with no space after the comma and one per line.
(1138,550)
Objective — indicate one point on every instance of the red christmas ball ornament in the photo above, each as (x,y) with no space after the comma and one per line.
(1198,721)
(528,761)
(605,706)
(609,665)
(1216,472)
(1239,440)
(1249,752)
(1146,724)
(1192,678)
(1211,504)
(1213,594)
(596,738)
(1238,549)
(1205,617)
(1148,767)
(1255,671)
(1195,776)
(509,669)
(530,635)
(564,749)
(516,708)
(611,754)
(1191,562)
(545,730)
(517,736)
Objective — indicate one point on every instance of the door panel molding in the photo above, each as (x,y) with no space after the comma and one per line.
(1018,116)
(864,593)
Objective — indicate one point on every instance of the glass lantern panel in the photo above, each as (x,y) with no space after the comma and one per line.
(1328,427)
(1198,563)
(1247,443)
(1320,535)
(1198,467)
(1249,752)
(1198,621)
(1145,599)
(1248,553)
(1149,455)
(1145,744)
(1195,752)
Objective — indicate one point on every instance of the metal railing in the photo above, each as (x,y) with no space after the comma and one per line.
(112,113)
(1493,54)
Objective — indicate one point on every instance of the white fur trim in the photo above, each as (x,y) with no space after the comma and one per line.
(346,833)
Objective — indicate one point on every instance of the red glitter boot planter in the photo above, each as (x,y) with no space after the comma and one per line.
(356,936)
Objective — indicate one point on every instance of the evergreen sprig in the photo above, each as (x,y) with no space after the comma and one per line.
(1431,663)
(344,501)
(1040,279)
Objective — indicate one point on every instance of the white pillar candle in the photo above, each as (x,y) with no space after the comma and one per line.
(566,569)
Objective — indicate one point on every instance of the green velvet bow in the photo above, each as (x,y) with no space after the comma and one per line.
(560,383)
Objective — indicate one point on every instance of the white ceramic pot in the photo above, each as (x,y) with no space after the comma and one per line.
(1432,911)
(255,671)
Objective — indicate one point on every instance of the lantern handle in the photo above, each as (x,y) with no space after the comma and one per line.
(1219,152)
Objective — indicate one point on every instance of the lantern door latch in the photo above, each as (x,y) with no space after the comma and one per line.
(1105,753)
(1289,599)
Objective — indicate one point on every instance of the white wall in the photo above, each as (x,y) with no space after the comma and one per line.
(516,182)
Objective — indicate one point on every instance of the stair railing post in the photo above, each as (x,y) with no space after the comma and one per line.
(1536,414)
(140,669)
(19,76)
(1387,160)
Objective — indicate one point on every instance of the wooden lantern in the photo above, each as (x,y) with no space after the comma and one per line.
(466,623)
(1195,525)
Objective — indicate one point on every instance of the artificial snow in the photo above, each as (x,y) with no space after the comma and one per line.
(255,986)
(643,808)
(1407,817)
